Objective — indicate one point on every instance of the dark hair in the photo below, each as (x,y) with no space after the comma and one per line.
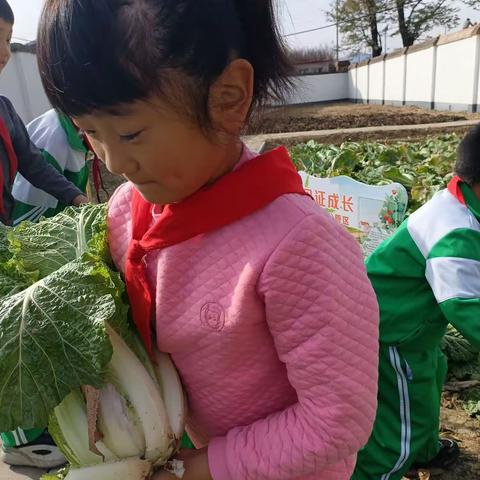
(467,166)
(96,54)
(6,12)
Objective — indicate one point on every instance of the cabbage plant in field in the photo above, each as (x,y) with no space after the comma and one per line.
(70,358)
(423,168)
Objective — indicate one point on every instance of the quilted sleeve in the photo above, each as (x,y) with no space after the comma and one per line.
(119,224)
(323,316)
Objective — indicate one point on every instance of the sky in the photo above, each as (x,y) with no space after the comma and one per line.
(295,15)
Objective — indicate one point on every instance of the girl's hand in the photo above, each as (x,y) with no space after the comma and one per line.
(196,466)
(164,476)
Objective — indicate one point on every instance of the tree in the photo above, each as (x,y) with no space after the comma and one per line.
(358,22)
(472,3)
(417,17)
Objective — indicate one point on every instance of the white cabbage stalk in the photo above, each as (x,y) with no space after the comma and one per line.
(139,388)
(140,421)
(172,393)
(71,419)
(119,424)
(133,468)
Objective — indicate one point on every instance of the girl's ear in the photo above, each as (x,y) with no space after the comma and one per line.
(230,97)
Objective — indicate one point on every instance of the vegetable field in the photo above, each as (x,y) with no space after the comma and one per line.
(423,168)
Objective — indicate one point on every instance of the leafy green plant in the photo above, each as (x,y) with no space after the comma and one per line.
(463,358)
(423,168)
(69,356)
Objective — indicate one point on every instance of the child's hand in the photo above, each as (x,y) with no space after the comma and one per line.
(80,200)
(196,466)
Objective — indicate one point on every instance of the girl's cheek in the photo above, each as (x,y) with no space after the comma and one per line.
(97,148)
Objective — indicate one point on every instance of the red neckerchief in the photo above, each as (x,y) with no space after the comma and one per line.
(96,171)
(238,194)
(455,190)
(12,158)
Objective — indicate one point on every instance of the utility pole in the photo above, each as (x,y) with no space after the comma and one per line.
(338,35)
(385,40)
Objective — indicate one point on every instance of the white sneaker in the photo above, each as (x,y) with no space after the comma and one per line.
(41,453)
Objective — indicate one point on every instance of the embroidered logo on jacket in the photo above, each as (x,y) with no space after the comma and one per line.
(212,316)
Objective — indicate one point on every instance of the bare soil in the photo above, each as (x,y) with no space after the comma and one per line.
(346,115)
(457,425)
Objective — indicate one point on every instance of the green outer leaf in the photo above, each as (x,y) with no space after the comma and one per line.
(59,475)
(5,253)
(13,281)
(54,340)
(48,245)
(68,426)
(56,433)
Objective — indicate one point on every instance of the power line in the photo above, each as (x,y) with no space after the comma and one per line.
(412,2)
(21,39)
(310,30)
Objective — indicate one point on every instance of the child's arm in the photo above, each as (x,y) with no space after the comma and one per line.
(323,315)
(464,315)
(453,272)
(33,166)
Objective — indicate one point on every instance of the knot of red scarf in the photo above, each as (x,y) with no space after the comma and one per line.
(455,190)
(135,251)
(238,194)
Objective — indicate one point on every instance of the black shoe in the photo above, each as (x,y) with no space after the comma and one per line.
(446,457)
(41,453)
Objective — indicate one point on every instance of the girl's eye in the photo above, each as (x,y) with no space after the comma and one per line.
(131,137)
(89,133)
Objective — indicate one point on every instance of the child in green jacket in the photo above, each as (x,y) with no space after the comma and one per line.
(425,276)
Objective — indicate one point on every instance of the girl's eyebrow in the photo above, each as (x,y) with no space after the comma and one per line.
(120,111)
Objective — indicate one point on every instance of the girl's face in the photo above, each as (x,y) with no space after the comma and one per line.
(166,157)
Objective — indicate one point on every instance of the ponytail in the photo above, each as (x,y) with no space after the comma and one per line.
(264,49)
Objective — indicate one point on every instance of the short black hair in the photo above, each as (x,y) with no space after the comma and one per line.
(6,12)
(467,166)
(96,54)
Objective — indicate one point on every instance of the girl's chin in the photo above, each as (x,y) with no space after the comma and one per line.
(150,192)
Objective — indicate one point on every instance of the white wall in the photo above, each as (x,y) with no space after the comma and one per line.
(419,85)
(362,83)
(36,96)
(443,73)
(376,88)
(456,66)
(394,79)
(320,88)
(352,84)
(20,82)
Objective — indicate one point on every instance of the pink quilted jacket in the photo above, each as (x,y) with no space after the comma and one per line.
(272,324)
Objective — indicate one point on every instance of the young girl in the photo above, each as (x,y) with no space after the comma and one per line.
(261,300)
